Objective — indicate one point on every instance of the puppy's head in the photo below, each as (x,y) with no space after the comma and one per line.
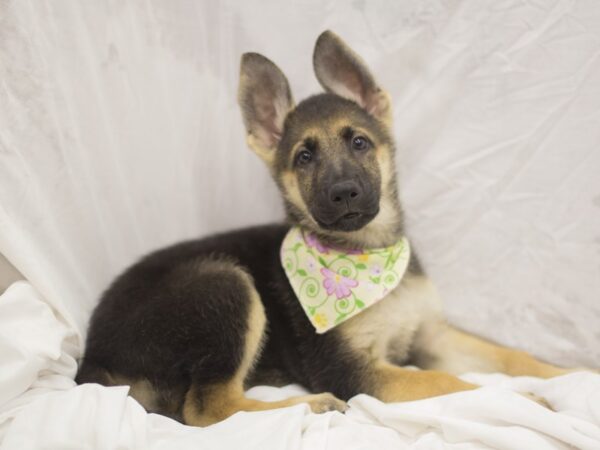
(332,154)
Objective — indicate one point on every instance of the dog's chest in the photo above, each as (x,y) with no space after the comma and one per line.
(386,330)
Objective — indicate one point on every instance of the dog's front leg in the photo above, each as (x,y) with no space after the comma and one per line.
(397,384)
(440,346)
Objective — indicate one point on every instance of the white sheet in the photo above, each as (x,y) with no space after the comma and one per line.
(120,133)
(41,408)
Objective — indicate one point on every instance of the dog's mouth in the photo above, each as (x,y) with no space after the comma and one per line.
(350,221)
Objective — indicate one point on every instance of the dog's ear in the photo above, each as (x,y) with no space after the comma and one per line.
(341,71)
(265,99)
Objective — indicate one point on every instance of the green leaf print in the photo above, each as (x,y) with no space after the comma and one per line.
(302,272)
(340,318)
(361,266)
(322,261)
(359,303)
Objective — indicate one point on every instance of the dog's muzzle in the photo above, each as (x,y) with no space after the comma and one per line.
(346,206)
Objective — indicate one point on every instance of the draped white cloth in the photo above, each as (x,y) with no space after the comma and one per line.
(120,133)
(40,407)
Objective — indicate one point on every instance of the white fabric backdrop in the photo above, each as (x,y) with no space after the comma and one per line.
(120,133)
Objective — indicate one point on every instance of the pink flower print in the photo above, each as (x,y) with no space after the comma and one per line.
(337,284)
(312,241)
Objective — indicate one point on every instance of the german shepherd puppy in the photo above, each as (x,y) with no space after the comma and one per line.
(190,326)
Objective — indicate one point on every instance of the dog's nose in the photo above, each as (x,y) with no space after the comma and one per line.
(344,192)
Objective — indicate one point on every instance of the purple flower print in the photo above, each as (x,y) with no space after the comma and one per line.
(312,241)
(311,264)
(347,251)
(376,270)
(337,284)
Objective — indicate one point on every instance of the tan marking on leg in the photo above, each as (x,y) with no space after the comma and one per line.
(257,321)
(443,347)
(221,401)
(522,363)
(396,384)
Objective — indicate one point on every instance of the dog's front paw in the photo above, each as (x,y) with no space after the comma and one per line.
(320,403)
(539,400)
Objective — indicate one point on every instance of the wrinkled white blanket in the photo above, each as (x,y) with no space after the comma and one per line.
(40,406)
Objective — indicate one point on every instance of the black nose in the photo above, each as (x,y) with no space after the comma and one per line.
(344,192)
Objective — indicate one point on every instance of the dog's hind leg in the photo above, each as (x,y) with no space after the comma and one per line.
(207,402)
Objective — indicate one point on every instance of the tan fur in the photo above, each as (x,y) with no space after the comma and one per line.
(224,400)
(257,321)
(291,191)
(257,146)
(443,347)
(397,384)
(386,165)
(386,329)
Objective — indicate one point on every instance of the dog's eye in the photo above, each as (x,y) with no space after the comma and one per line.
(304,156)
(360,143)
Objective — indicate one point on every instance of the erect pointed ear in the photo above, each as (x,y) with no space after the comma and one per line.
(265,99)
(343,72)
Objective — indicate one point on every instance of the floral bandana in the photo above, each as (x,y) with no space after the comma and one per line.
(334,284)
